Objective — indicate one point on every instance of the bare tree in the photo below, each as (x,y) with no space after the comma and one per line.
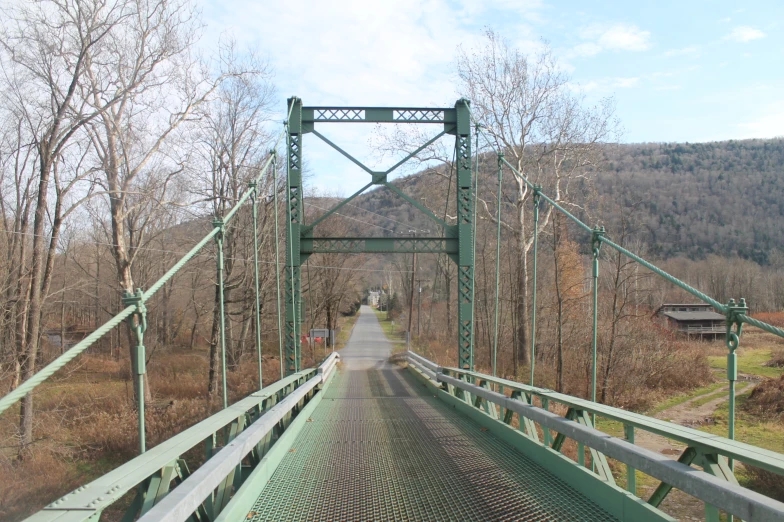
(233,144)
(529,110)
(144,84)
(45,47)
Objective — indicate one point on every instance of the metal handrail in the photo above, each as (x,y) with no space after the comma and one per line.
(94,497)
(756,456)
(186,499)
(722,494)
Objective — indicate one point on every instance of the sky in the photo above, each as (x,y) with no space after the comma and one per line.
(692,70)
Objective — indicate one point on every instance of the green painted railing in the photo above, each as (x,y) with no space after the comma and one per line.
(548,419)
(163,469)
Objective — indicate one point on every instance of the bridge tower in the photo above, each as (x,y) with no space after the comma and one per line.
(457,240)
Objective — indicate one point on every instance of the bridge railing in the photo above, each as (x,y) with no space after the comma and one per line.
(507,401)
(252,430)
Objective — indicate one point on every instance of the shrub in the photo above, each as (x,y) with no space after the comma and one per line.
(767,399)
(776,360)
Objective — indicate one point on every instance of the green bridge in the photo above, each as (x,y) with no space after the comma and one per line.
(371,436)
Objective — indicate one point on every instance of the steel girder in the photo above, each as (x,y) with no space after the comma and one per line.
(420,245)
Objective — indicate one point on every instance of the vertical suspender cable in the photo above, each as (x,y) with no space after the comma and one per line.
(533,303)
(310,309)
(277,255)
(497,261)
(438,266)
(254,197)
(218,223)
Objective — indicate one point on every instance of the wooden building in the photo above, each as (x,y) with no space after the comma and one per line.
(694,319)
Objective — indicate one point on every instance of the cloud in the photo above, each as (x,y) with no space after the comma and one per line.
(619,37)
(744,33)
(768,125)
(625,83)
(355,52)
(691,50)
(587,49)
(606,85)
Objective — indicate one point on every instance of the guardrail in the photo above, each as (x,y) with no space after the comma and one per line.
(248,429)
(715,484)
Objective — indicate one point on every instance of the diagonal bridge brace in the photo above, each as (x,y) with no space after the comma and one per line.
(378,178)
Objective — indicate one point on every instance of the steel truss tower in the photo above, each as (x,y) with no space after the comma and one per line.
(457,241)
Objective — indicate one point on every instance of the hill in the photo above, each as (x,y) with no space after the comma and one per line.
(695,199)
(691,199)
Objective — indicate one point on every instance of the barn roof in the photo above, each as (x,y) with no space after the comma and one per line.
(694,316)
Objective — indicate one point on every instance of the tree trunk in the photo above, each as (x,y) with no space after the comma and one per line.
(31,335)
(212,379)
(521,358)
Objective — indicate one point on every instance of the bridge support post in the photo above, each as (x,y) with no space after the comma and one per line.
(219,224)
(596,244)
(536,199)
(294,221)
(138,323)
(254,196)
(465,235)
(734,313)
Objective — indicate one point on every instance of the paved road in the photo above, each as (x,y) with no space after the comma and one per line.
(380,447)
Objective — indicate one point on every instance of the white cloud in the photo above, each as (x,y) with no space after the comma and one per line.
(587,49)
(744,33)
(767,125)
(607,85)
(625,83)
(619,37)
(355,52)
(691,50)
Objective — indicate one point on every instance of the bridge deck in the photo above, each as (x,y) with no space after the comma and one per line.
(378,447)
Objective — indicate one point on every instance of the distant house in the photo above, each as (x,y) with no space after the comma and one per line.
(694,319)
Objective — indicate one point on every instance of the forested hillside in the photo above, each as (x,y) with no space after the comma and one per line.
(686,199)
(724,198)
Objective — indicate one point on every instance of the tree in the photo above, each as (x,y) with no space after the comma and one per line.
(45,47)
(529,110)
(144,84)
(232,144)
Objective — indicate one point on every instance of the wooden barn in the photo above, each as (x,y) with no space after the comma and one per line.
(694,319)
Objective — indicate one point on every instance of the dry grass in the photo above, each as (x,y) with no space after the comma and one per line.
(767,399)
(774,318)
(86,422)
(776,359)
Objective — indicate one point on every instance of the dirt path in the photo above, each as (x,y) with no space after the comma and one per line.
(693,415)
(687,414)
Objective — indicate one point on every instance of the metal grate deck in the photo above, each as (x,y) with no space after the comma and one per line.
(379,448)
